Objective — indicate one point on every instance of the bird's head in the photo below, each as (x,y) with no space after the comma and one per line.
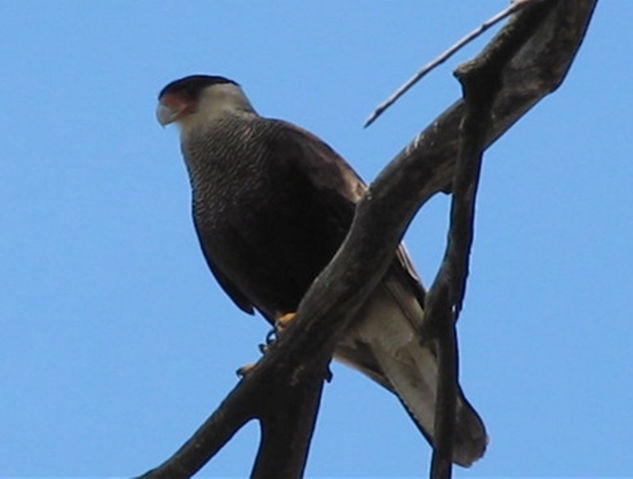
(199,98)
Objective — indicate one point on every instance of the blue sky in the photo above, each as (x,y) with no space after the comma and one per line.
(117,343)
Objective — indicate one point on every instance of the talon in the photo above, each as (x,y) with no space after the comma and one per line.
(263,347)
(271,336)
(283,321)
(328,374)
(244,370)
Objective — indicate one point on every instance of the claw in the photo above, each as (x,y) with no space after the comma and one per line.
(271,336)
(328,374)
(281,323)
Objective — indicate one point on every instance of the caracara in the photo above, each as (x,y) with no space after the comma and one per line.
(271,205)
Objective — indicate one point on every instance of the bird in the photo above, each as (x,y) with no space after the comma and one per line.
(271,204)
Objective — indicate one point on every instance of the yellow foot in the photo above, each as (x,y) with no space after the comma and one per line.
(283,321)
(244,370)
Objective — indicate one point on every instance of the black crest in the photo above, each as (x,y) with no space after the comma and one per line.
(192,85)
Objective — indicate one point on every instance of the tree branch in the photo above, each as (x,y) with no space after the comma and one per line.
(286,432)
(295,365)
(481,79)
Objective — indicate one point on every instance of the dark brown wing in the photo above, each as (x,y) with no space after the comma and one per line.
(325,168)
(233,292)
(341,187)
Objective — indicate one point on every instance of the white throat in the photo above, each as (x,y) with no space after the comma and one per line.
(216,102)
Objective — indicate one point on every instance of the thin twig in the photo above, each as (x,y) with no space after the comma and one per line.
(514,6)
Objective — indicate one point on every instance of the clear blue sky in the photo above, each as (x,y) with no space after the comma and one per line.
(116,342)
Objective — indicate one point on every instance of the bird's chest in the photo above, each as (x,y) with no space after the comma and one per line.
(235,187)
(226,188)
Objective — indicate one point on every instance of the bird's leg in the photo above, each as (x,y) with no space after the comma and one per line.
(281,322)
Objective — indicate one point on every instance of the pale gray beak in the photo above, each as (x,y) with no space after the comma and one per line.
(166,115)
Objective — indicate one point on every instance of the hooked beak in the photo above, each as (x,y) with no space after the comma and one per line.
(166,115)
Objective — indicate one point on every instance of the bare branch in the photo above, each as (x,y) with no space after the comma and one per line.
(217,430)
(481,80)
(515,6)
(294,366)
(286,432)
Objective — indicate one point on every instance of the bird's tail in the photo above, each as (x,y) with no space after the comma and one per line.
(384,344)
